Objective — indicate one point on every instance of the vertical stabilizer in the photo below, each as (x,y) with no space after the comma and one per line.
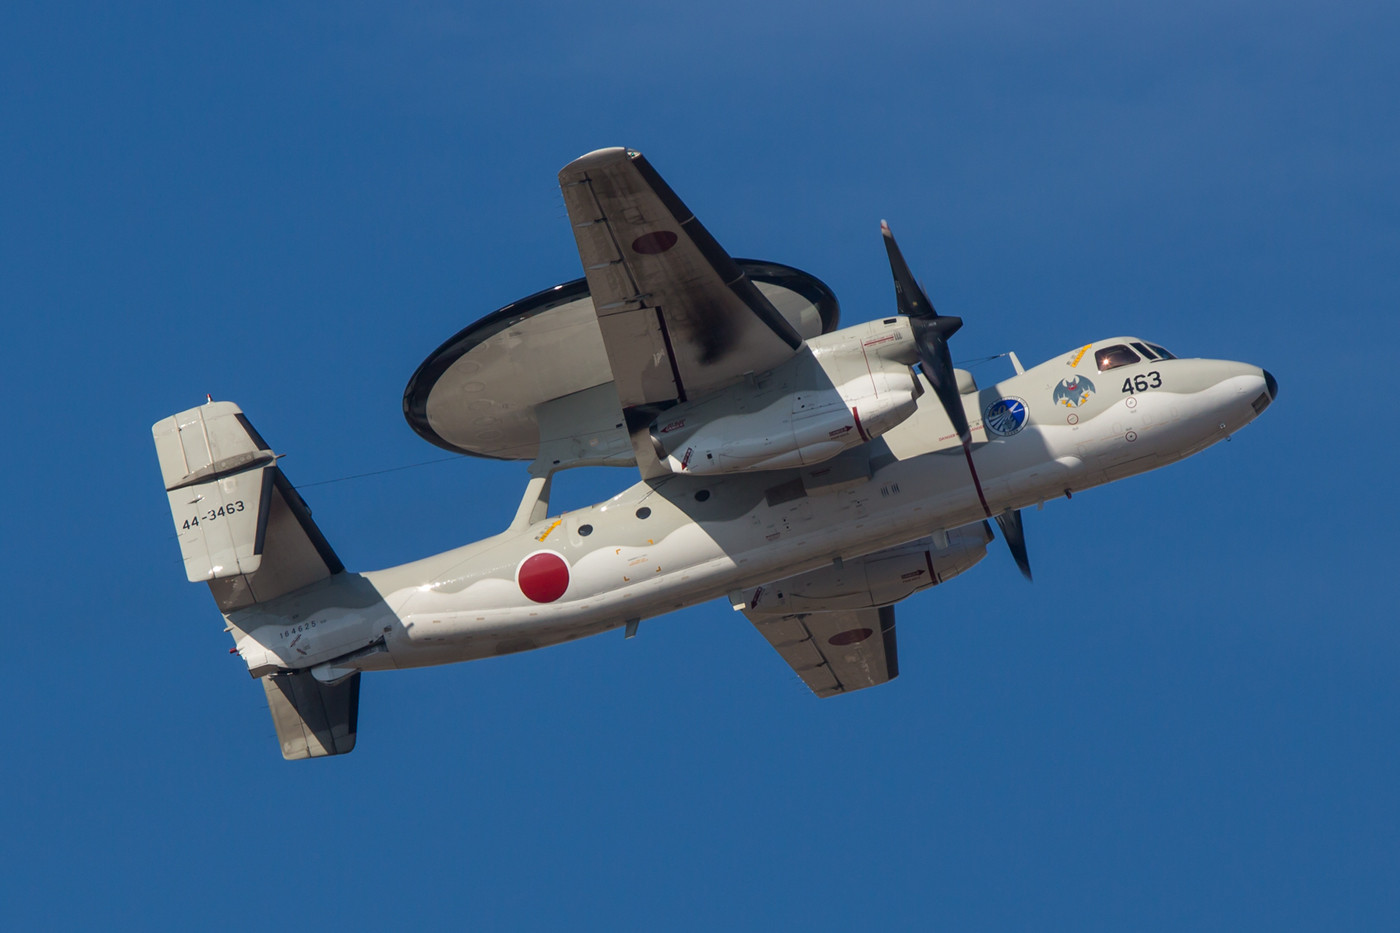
(313,719)
(246,532)
(242,528)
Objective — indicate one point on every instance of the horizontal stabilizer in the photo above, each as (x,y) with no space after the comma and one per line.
(313,719)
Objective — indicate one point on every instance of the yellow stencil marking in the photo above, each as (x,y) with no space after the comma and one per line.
(557,523)
(1080,355)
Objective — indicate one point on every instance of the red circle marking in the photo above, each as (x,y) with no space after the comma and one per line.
(543,577)
(658,241)
(850,637)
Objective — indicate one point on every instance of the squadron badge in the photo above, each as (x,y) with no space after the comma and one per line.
(1005,417)
(1073,392)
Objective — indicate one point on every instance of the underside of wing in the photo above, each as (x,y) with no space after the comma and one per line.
(835,652)
(679,317)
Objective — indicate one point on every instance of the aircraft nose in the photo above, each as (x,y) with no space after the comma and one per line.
(1271,384)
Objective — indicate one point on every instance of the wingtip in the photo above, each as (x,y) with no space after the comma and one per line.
(598,158)
(885,229)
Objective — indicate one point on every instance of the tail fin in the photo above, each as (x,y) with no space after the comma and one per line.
(313,719)
(242,527)
(245,531)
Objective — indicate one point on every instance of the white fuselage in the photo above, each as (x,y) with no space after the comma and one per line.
(666,544)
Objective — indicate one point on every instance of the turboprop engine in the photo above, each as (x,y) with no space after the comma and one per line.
(878,579)
(850,387)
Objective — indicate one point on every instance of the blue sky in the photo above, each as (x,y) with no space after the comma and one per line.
(1187,721)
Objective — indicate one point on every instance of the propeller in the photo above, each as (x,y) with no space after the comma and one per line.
(1015,534)
(931,332)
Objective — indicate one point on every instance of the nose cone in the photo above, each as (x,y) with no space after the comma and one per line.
(1266,397)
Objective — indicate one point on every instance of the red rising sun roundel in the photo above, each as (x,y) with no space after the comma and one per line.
(543,576)
(850,637)
(658,241)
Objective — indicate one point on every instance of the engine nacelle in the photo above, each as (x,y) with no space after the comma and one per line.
(797,430)
(878,579)
(847,388)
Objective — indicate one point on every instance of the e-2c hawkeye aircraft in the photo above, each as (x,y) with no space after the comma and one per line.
(815,475)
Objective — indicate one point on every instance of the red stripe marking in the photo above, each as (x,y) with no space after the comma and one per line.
(859,427)
(928,559)
(976,482)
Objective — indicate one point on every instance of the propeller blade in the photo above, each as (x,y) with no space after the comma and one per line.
(931,339)
(912,300)
(1015,534)
(931,333)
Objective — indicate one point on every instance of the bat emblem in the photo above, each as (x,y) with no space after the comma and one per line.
(1073,392)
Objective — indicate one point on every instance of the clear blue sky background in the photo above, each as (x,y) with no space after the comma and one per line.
(1188,721)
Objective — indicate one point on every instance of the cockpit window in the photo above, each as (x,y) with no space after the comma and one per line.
(1160,352)
(1142,348)
(1117,355)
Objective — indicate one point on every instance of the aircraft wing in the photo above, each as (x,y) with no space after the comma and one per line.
(835,652)
(312,719)
(679,317)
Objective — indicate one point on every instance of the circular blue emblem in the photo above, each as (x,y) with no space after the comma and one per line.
(1005,417)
